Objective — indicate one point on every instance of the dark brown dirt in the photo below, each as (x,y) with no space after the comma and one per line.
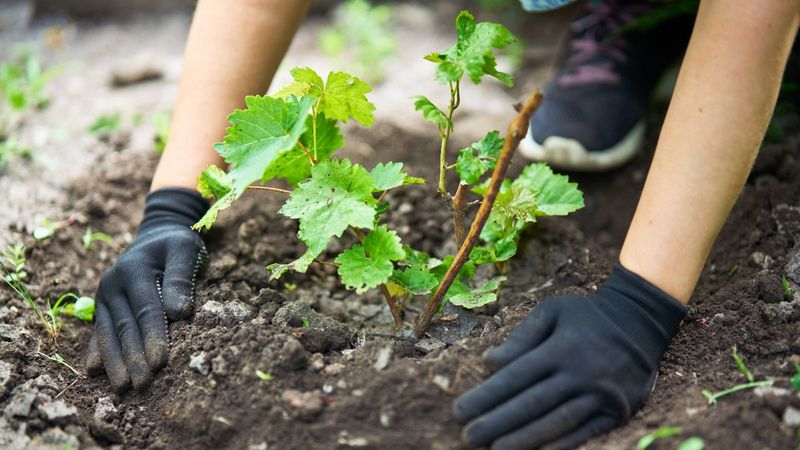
(327,389)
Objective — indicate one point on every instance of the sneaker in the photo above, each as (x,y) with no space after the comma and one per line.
(591,118)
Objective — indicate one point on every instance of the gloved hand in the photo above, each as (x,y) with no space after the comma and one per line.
(152,280)
(576,367)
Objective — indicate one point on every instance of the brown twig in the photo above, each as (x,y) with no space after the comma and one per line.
(459,209)
(516,131)
(271,189)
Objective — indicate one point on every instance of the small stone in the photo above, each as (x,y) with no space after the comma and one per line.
(12,333)
(198,361)
(305,405)
(384,356)
(428,345)
(7,313)
(293,355)
(782,312)
(341,384)
(791,417)
(6,371)
(333,369)
(238,311)
(317,362)
(385,418)
(105,411)
(769,287)
(219,366)
(265,296)
(20,404)
(259,446)
(442,381)
(761,391)
(327,388)
(213,308)
(762,260)
(219,267)
(353,442)
(59,412)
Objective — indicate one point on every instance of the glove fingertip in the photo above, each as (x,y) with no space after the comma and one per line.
(157,353)
(94,363)
(178,306)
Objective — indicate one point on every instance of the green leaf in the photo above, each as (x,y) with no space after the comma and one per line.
(431,112)
(294,165)
(390,175)
(213,182)
(483,295)
(341,96)
(90,236)
(555,195)
(795,381)
(475,160)
(693,443)
(459,285)
(660,433)
(263,375)
(416,280)
(82,309)
(366,266)
(338,195)
(259,135)
(473,53)
(45,229)
(498,250)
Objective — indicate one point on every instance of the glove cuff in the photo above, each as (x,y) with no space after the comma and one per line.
(174,206)
(651,315)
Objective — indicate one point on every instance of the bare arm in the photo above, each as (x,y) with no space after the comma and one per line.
(233,50)
(723,101)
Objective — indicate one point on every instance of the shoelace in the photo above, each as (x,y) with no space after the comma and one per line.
(602,19)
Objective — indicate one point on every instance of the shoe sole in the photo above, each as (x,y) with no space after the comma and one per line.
(569,154)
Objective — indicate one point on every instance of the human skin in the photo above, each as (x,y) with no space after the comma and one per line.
(233,50)
(722,103)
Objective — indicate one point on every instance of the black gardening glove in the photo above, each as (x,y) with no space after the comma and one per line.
(577,367)
(152,280)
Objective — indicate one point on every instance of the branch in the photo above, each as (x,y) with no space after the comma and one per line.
(459,209)
(516,131)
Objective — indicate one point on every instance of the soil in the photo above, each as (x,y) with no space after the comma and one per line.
(340,376)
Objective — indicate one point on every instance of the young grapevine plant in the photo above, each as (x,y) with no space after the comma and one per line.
(293,135)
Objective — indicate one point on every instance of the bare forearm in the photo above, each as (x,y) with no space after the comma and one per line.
(723,101)
(233,50)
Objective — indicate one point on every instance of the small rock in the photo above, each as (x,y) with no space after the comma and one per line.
(385,418)
(333,369)
(353,441)
(762,260)
(105,411)
(791,417)
(259,446)
(293,355)
(782,312)
(12,333)
(20,404)
(220,266)
(59,412)
(384,356)
(238,311)
(213,308)
(317,362)
(219,366)
(8,312)
(428,345)
(198,361)
(6,371)
(455,324)
(761,391)
(265,296)
(787,218)
(305,405)
(769,287)
(442,381)
(317,332)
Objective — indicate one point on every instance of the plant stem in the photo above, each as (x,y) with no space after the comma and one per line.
(712,397)
(459,209)
(390,300)
(516,131)
(271,189)
(63,363)
(311,159)
(455,100)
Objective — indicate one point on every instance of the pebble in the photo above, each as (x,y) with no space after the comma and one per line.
(265,296)
(6,370)
(383,359)
(305,405)
(20,404)
(198,361)
(762,260)
(442,381)
(12,333)
(238,311)
(317,362)
(428,345)
(293,355)
(59,412)
(219,366)
(791,417)
(333,369)
(213,308)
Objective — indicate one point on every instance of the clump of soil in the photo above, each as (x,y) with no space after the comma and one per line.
(305,364)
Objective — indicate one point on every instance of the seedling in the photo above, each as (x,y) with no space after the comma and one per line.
(161,125)
(693,443)
(740,364)
(12,264)
(714,396)
(105,125)
(264,376)
(22,80)
(293,135)
(795,381)
(787,288)
(90,236)
(361,36)
(10,148)
(661,433)
(47,227)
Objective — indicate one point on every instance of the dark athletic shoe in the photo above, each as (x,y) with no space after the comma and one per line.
(591,118)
